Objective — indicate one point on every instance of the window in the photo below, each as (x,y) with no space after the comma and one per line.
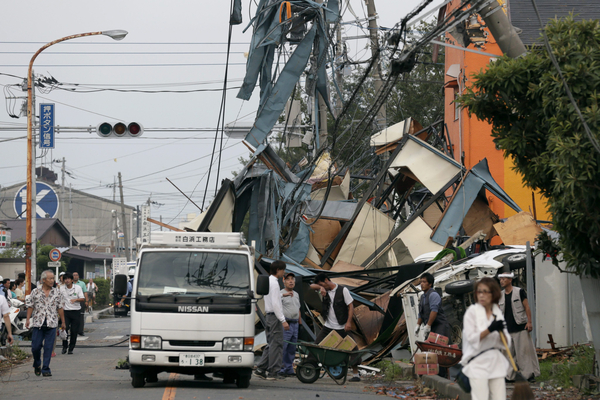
(194,273)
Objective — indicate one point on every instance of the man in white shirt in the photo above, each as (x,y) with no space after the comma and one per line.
(73,298)
(270,363)
(5,313)
(338,307)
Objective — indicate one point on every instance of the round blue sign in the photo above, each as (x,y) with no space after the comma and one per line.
(46,201)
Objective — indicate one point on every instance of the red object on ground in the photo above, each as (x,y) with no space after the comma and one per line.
(447,356)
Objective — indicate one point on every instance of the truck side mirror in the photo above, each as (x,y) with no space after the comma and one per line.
(120,288)
(262,285)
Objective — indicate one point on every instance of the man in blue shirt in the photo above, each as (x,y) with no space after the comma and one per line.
(431,313)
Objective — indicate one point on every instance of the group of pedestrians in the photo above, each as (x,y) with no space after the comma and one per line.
(283,320)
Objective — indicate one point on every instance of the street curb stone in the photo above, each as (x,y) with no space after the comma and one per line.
(445,387)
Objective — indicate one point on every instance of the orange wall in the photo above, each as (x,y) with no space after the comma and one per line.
(477,142)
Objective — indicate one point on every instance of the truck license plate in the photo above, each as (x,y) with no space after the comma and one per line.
(191,359)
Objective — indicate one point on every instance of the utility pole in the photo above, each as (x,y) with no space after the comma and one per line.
(33,189)
(124,221)
(377,81)
(62,192)
(70,216)
(339,75)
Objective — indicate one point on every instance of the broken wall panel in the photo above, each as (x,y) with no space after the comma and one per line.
(323,233)
(413,241)
(338,192)
(394,133)
(370,229)
(337,210)
(369,322)
(480,218)
(218,217)
(518,229)
(431,167)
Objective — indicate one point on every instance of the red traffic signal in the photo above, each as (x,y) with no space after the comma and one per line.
(120,130)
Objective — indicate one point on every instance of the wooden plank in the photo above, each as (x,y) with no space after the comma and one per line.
(165,225)
(518,229)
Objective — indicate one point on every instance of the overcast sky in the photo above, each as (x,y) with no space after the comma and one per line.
(184,46)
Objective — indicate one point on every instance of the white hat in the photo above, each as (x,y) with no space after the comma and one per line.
(510,275)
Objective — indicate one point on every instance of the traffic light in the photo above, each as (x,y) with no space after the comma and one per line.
(119,129)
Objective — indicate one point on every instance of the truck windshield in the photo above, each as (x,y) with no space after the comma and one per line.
(193,273)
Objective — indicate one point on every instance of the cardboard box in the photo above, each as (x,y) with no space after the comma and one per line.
(427,369)
(426,358)
(347,344)
(438,339)
(331,340)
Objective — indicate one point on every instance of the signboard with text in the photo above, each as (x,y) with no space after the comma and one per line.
(46,126)
(145,224)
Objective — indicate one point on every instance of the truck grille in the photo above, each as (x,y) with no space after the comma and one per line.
(192,343)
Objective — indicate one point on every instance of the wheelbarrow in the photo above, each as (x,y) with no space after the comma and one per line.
(335,362)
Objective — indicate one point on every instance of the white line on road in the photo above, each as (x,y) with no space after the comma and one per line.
(114,337)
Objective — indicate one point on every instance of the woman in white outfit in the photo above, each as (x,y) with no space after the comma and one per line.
(483,361)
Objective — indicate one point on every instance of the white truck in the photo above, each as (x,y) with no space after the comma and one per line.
(193,307)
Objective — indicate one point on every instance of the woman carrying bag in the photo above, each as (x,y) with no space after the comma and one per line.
(483,361)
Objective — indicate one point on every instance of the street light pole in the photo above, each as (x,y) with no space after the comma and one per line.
(30,246)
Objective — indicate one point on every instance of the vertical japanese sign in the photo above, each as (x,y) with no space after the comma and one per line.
(46,126)
(145,224)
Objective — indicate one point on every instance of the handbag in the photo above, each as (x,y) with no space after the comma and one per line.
(462,379)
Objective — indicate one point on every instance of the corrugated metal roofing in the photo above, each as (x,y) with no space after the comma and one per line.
(523,16)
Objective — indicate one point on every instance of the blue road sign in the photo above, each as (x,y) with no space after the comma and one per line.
(46,201)
(46,126)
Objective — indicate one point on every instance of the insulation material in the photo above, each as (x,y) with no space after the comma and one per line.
(312,256)
(336,193)
(369,322)
(321,168)
(518,229)
(342,266)
(431,167)
(480,218)
(370,229)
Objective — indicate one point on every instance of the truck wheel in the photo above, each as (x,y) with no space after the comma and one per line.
(459,287)
(137,380)
(151,378)
(243,381)
(308,372)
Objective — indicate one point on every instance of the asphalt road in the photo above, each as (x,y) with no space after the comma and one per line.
(90,374)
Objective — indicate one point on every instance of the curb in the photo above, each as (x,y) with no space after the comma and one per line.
(445,387)
(408,371)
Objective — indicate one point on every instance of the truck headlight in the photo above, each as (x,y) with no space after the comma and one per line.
(233,344)
(151,342)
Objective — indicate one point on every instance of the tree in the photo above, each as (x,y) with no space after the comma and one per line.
(537,127)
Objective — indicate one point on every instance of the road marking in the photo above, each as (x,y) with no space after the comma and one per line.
(80,338)
(113,337)
(170,389)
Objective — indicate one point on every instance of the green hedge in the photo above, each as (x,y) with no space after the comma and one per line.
(103,295)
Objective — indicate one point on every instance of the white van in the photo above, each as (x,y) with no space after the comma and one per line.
(193,307)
